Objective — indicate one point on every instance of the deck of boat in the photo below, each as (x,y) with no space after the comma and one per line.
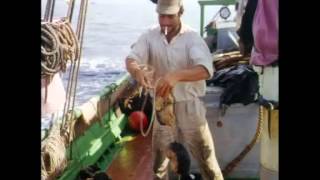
(133,161)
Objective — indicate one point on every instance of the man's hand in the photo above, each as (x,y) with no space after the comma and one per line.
(139,75)
(166,84)
(142,78)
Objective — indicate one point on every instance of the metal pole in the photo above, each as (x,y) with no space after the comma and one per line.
(201,19)
(70,10)
(79,33)
(52,10)
(47,11)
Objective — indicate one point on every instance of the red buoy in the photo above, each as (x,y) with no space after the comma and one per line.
(135,119)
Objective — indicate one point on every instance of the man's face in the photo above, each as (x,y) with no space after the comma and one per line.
(171,21)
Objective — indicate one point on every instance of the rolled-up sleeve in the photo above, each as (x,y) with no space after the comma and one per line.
(139,50)
(200,54)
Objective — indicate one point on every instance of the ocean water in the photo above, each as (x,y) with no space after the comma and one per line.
(112,26)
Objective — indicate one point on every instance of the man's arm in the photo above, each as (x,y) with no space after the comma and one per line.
(139,75)
(138,55)
(194,73)
(200,69)
(132,66)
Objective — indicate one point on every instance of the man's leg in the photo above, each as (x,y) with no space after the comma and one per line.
(161,138)
(196,134)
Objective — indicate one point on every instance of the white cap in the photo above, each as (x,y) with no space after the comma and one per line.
(168,6)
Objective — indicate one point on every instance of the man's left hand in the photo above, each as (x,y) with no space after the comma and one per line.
(166,84)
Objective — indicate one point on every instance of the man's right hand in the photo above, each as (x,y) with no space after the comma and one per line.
(137,73)
(142,78)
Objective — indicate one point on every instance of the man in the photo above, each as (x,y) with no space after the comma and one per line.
(182,60)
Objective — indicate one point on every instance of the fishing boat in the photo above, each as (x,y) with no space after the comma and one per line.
(96,133)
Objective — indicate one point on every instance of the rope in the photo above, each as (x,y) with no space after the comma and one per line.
(245,151)
(59,45)
(50,53)
(145,134)
(44,174)
(53,155)
(154,109)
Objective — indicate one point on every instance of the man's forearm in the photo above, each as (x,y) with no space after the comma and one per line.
(138,74)
(168,82)
(132,66)
(195,73)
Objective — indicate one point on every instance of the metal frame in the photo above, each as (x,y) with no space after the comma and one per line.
(204,3)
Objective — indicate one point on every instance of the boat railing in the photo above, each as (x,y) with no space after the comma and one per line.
(204,3)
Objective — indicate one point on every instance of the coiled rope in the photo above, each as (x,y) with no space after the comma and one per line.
(153,114)
(53,155)
(156,107)
(58,45)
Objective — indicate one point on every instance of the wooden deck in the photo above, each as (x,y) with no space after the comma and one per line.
(133,161)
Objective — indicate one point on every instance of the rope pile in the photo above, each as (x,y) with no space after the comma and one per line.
(53,156)
(58,45)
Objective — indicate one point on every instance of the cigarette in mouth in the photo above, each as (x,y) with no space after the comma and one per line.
(166,30)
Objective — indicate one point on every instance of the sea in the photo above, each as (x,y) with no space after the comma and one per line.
(111,27)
